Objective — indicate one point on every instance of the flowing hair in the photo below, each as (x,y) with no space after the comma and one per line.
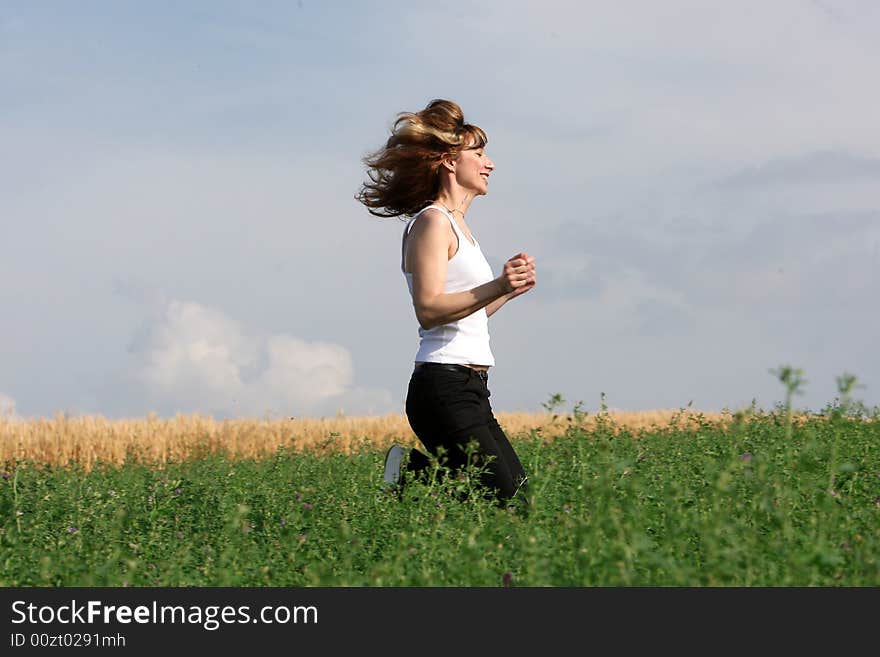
(405,173)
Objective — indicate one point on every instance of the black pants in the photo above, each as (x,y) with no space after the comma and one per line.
(448,407)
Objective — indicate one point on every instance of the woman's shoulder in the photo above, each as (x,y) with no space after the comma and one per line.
(430,211)
(431,218)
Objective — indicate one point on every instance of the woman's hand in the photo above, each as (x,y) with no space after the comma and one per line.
(518,276)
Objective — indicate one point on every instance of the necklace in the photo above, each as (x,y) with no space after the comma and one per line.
(450,210)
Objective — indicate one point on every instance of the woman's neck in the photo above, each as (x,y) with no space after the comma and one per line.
(456,202)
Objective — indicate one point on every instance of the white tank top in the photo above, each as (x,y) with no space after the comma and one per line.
(465,341)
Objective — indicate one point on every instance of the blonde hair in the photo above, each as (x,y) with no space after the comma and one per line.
(405,173)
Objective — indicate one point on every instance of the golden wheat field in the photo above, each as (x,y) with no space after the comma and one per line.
(89,440)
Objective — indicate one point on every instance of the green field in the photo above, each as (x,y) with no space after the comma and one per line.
(761,502)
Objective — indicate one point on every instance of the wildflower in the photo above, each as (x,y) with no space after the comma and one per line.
(283,521)
(507,578)
(566,509)
(877,501)
(72,530)
(5,475)
(177,491)
(308,506)
(746,457)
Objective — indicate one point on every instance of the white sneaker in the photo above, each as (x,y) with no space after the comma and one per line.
(393,462)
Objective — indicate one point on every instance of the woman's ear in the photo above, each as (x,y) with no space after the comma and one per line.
(448,161)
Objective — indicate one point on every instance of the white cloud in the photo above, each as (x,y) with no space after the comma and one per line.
(192,358)
(7,407)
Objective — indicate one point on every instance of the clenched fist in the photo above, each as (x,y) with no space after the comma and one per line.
(518,276)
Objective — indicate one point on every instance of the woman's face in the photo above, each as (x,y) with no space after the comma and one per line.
(472,170)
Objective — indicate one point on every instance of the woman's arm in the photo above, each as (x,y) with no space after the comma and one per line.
(427,254)
(500,301)
(495,305)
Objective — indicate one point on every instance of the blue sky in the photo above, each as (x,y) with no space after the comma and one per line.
(697,181)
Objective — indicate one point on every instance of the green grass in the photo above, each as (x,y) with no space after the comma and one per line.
(762,503)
